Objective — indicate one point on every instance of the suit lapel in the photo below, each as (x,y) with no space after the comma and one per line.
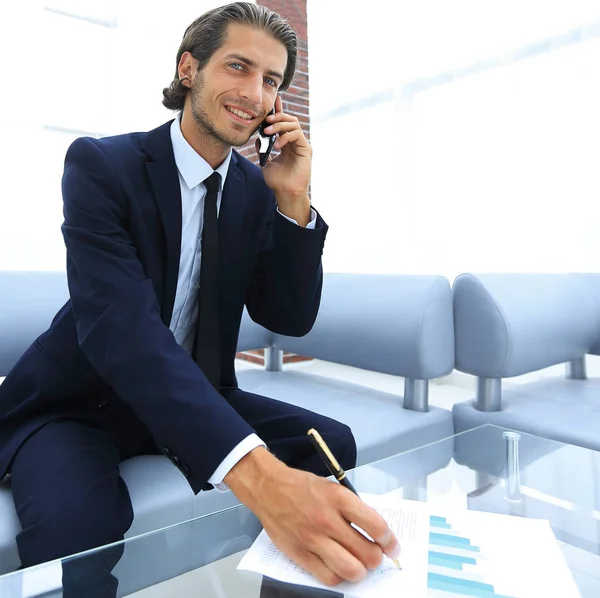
(162,172)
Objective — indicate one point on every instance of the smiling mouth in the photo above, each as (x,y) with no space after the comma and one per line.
(241,114)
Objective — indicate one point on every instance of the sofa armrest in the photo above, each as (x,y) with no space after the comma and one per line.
(511,324)
(393,324)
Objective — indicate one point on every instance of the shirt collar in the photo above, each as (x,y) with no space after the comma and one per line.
(191,165)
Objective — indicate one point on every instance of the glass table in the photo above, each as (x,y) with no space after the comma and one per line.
(488,469)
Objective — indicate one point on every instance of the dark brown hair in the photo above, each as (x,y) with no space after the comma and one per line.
(207,34)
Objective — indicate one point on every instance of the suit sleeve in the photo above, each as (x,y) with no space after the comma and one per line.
(120,330)
(285,291)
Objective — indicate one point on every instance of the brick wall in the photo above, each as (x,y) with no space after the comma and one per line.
(295,101)
(295,98)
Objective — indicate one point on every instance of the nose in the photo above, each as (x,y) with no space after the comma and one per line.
(252,90)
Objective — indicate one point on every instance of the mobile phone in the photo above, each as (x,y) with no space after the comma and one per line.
(266,141)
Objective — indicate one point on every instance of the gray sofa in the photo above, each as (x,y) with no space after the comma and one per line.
(400,325)
(507,325)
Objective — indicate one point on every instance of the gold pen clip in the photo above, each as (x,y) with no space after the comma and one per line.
(327,452)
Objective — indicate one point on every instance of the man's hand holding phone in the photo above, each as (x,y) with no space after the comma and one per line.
(288,174)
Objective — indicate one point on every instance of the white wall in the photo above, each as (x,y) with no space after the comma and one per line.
(63,77)
(495,170)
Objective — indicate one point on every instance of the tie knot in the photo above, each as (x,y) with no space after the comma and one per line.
(213,183)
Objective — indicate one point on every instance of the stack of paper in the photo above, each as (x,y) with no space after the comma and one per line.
(444,554)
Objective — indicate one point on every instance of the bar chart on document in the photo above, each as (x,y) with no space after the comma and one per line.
(486,556)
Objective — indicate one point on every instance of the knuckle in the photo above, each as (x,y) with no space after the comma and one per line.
(323,521)
(340,494)
(353,572)
(307,538)
(329,578)
(373,558)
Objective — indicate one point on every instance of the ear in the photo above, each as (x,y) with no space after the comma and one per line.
(186,69)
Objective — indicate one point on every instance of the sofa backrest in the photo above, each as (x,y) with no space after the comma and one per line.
(393,324)
(252,335)
(512,324)
(592,282)
(30,299)
(28,302)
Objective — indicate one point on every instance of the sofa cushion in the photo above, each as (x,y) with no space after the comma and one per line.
(160,496)
(9,528)
(557,408)
(381,426)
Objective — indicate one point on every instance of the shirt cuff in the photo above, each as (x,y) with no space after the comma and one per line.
(311,224)
(241,450)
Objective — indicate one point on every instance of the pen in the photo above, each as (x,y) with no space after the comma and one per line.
(334,467)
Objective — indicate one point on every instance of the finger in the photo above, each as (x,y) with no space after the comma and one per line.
(283,117)
(314,565)
(343,563)
(278,104)
(356,511)
(291,137)
(282,127)
(368,553)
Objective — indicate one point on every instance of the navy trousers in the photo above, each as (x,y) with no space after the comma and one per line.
(69,496)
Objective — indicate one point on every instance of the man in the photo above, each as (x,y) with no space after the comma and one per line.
(141,358)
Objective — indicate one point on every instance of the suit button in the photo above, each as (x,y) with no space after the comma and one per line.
(175,460)
(103,406)
(166,451)
(185,470)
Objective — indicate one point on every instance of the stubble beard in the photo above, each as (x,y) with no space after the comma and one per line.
(205,125)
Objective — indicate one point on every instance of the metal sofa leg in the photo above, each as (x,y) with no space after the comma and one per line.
(576,369)
(416,394)
(273,359)
(489,394)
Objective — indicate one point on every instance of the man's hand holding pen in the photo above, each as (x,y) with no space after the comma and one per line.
(308,517)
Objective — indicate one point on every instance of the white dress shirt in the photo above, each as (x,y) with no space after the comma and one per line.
(192,170)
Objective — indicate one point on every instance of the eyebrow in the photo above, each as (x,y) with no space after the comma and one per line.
(254,65)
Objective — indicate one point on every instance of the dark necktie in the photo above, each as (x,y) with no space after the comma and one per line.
(207,345)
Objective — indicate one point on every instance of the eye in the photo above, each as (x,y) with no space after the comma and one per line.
(237,66)
(271,82)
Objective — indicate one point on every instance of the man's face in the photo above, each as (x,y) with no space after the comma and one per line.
(238,86)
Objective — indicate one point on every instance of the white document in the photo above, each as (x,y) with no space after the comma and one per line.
(408,520)
(496,555)
(446,553)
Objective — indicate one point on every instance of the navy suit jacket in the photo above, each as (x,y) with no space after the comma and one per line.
(111,343)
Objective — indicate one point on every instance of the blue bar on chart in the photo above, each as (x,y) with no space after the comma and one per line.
(463,587)
(436,539)
(453,563)
(438,522)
